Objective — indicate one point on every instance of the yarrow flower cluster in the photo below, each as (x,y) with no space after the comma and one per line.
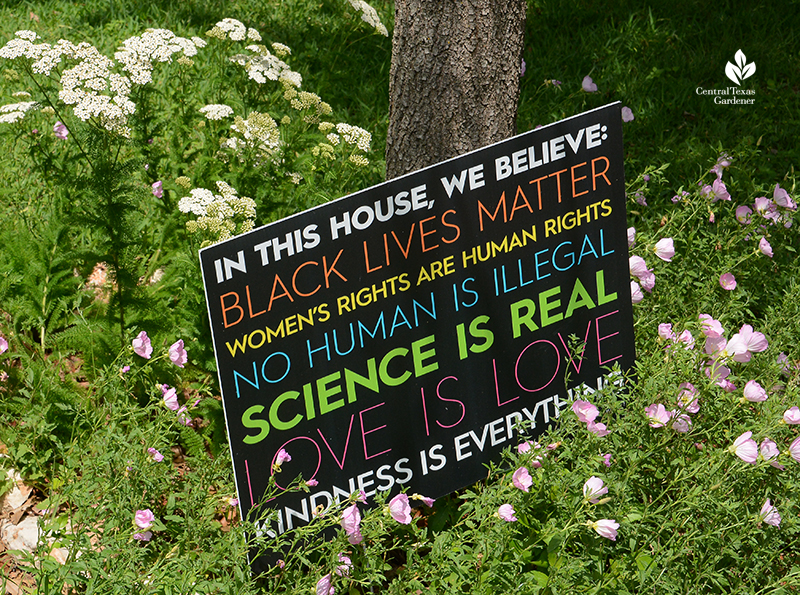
(90,81)
(221,215)
(370,16)
(233,30)
(258,133)
(216,111)
(262,65)
(303,101)
(138,54)
(13,112)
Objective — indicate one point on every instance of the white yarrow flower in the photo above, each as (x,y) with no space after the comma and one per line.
(216,111)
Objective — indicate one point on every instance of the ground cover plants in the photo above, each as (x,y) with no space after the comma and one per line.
(163,126)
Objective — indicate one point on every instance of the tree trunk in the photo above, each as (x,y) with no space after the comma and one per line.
(454,81)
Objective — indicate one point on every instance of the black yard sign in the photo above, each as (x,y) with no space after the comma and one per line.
(394,338)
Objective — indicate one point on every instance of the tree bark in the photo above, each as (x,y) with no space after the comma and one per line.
(454,80)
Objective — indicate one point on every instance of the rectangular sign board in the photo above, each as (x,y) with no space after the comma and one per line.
(394,337)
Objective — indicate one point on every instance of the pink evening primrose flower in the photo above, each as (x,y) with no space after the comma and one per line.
(400,509)
(312,483)
(631,236)
(607,459)
(157,456)
(769,450)
(282,457)
(792,416)
(158,189)
(665,249)
(744,343)
(745,448)
(766,208)
(351,522)
(680,197)
(764,247)
(710,327)
(714,346)
(722,162)
(177,354)
(648,281)
(794,449)
(588,85)
(605,528)
(727,281)
(585,411)
(657,414)
(782,359)
(593,489)
(743,214)
(60,130)
(424,499)
(769,514)
(141,345)
(627,114)
(686,398)
(526,446)
(144,518)
(170,397)
(183,417)
(665,331)
(716,191)
(680,422)
(344,565)
(597,428)
(324,586)
(637,266)
(522,479)
(3,345)
(754,392)
(686,338)
(146,536)
(782,198)
(636,293)
(506,512)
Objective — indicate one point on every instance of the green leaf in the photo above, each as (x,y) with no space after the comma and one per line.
(541,578)
(643,563)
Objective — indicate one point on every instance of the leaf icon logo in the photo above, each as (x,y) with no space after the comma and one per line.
(741,70)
